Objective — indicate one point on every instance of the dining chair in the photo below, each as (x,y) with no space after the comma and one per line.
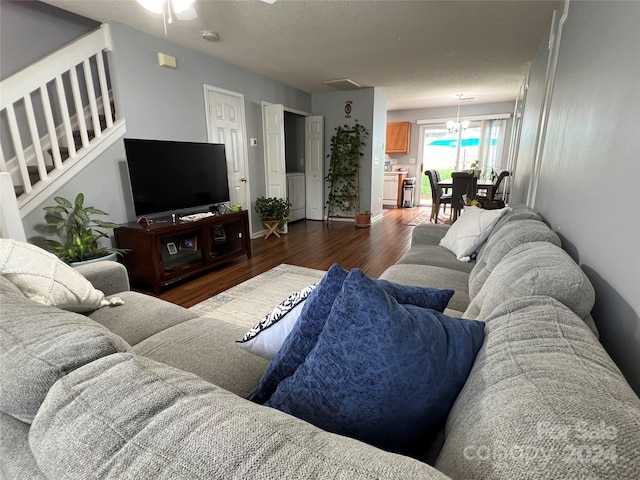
(497,192)
(496,200)
(464,183)
(438,198)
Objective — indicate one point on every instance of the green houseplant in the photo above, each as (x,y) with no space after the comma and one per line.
(273,208)
(344,164)
(74,225)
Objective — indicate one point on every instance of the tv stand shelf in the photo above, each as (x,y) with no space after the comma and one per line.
(167,252)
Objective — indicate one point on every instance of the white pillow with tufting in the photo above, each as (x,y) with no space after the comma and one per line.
(470,231)
(44,278)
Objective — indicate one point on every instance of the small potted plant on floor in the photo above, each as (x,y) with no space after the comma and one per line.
(75,226)
(363,220)
(273,209)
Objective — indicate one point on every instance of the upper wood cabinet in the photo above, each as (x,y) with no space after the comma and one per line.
(398,137)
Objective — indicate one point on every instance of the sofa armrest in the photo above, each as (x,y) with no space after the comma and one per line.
(429,234)
(108,276)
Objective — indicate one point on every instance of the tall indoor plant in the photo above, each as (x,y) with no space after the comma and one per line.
(75,227)
(347,146)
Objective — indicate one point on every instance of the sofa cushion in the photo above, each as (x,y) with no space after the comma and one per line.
(435,256)
(537,268)
(126,416)
(44,278)
(518,211)
(16,460)
(141,316)
(206,347)
(316,310)
(381,372)
(267,336)
(40,344)
(543,400)
(510,236)
(470,231)
(435,277)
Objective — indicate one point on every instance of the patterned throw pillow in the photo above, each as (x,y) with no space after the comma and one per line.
(267,336)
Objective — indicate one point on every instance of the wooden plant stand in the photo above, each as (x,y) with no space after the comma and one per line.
(271,226)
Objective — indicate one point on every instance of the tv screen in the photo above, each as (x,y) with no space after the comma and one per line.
(170,176)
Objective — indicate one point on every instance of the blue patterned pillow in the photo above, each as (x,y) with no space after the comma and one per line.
(381,372)
(305,332)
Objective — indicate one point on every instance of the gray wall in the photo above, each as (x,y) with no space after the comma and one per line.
(588,187)
(294,144)
(332,106)
(168,104)
(30,31)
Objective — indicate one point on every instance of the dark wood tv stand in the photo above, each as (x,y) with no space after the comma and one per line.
(167,252)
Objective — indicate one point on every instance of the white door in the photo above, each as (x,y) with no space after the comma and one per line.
(226,124)
(275,166)
(314,166)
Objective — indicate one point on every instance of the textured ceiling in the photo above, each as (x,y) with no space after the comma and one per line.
(421,53)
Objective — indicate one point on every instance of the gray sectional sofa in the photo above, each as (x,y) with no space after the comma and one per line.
(148,390)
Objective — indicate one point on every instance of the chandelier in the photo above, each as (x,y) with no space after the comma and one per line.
(182,9)
(455,127)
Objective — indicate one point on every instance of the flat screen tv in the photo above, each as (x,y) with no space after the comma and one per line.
(168,176)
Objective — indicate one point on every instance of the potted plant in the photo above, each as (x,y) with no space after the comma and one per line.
(273,208)
(363,220)
(75,226)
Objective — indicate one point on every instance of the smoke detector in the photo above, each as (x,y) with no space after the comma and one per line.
(210,36)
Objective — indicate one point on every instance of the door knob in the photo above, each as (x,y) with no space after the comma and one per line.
(243,179)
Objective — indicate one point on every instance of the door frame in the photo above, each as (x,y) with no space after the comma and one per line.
(294,111)
(243,126)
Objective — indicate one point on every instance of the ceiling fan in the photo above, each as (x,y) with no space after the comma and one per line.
(182,9)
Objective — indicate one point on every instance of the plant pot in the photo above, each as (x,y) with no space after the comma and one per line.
(111,257)
(363,220)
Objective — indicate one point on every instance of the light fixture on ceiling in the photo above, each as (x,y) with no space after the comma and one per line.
(455,127)
(182,9)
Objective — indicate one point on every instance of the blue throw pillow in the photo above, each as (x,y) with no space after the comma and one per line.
(381,372)
(305,332)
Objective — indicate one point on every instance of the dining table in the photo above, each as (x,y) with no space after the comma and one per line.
(483,185)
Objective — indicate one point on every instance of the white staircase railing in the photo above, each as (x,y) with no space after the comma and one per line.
(56,116)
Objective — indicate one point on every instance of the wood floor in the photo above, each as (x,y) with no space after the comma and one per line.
(313,244)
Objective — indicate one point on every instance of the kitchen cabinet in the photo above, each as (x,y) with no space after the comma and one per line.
(392,189)
(398,137)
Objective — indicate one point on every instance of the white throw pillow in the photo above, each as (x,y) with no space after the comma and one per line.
(268,335)
(44,278)
(470,231)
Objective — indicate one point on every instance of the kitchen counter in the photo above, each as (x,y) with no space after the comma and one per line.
(392,191)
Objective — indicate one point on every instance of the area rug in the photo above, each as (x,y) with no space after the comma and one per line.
(246,303)
(420,218)
(424,218)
